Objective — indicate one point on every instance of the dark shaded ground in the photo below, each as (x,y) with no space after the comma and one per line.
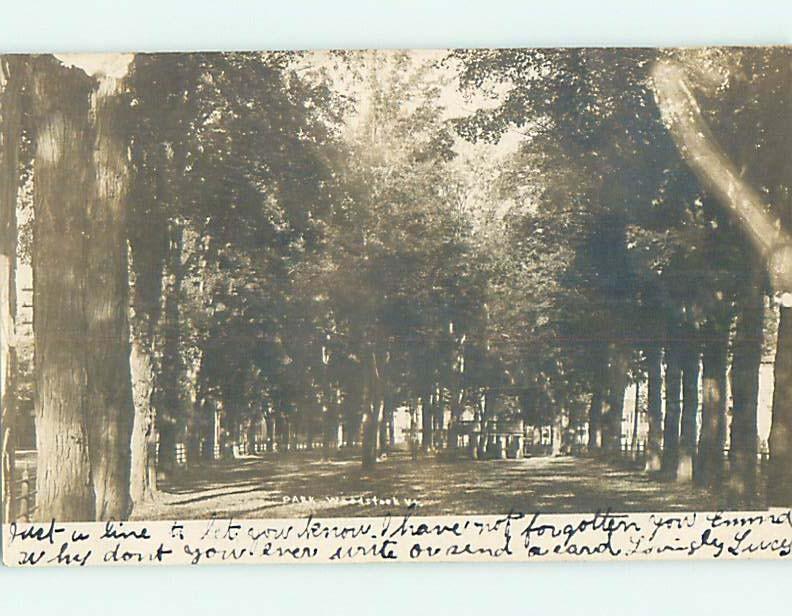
(301,483)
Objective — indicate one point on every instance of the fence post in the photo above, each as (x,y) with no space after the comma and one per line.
(9,481)
(24,496)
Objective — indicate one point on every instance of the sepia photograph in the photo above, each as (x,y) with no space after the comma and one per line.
(366,283)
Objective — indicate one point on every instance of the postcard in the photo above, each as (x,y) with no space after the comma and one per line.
(392,305)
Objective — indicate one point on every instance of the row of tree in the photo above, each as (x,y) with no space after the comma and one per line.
(324,238)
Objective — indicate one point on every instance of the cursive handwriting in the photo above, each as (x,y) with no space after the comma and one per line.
(404,536)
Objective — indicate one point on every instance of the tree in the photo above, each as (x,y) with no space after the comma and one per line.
(715,170)
(11,85)
(586,111)
(394,282)
(110,410)
(62,166)
(229,155)
(84,411)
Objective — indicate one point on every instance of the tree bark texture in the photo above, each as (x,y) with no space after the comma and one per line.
(63,168)
(11,79)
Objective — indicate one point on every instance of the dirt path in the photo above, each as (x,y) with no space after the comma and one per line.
(300,483)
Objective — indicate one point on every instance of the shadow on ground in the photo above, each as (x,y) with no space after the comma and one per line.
(301,483)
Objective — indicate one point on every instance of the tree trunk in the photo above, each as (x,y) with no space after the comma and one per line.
(196,426)
(10,133)
(146,272)
(252,435)
(690,396)
(486,409)
(216,445)
(426,420)
(370,429)
(148,250)
(612,421)
(327,431)
(438,426)
(654,359)
(636,420)
(386,425)
(286,432)
(556,434)
(390,419)
(170,416)
(457,409)
(63,168)
(595,418)
(744,441)
(382,433)
(413,434)
(673,410)
(353,403)
(596,432)
(772,242)
(143,473)
(779,484)
(8,369)
(713,411)
(271,439)
(110,410)
(166,445)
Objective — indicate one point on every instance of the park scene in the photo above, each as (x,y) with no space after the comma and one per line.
(351,283)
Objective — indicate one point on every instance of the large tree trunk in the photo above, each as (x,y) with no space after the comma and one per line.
(11,78)
(84,409)
(148,250)
(688,438)
(672,415)
(744,441)
(148,244)
(779,485)
(63,168)
(713,407)
(170,401)
(143,473)
(110,410)
(654,359)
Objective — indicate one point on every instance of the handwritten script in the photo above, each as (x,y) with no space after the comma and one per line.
(515,536)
